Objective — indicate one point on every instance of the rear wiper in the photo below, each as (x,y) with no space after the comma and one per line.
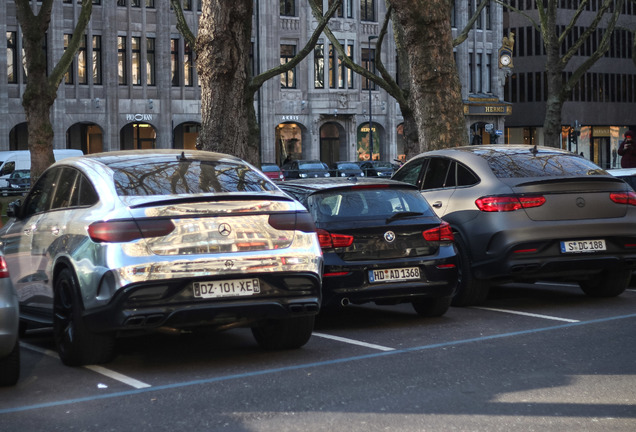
(401,215)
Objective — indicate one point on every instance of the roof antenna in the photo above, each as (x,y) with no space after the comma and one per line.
(181,157)
(534,150)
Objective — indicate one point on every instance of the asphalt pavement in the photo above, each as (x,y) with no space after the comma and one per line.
(543,357)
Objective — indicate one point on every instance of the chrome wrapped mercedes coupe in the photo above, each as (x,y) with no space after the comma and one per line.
(134,241)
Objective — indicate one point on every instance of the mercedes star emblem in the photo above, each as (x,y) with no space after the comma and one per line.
(225,229)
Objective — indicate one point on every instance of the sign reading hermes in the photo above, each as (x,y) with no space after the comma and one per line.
(501,109)
(138,117)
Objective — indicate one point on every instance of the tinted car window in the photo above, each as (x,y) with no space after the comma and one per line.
(64,190)
(436,174)
(84,194)
(363,204)
(409,173)
(465,177)
(186,177)
(527,164)
(39,199)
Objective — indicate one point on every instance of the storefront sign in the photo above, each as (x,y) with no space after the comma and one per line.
(139,117)
(601,131)
(490,109)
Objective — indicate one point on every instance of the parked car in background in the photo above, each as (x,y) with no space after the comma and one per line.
(11,161)
(525,213)
(628,175)
(9,329)
(137,241)
(19,182)
(377,168)
(345,169)
(272,171)
(299,169)
(381,242)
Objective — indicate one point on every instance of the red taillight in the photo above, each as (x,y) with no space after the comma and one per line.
(128,230)
(329,240)
(624,197)
(505,203)
(4,271)
(335,274)
(301,221)
(441,233)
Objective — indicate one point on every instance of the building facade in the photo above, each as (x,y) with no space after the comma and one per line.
(603,104)
(134,85)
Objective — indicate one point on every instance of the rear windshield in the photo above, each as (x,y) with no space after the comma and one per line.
(526,164)
(363,204)
(351,166)
(186,177)
(269,168)
(311,165)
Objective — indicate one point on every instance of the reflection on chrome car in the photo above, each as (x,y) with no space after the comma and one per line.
(381,242)
(9,344)
(527,213)
(141,240)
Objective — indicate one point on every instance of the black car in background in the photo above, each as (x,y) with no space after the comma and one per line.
(381,243)
(525,214)
(345,169)
(300,169)
(19,182)
(377,168)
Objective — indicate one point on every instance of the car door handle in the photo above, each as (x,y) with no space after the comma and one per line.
(437,204)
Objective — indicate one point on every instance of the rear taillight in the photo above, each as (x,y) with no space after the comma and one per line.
(505,203)
(624,197)
(4,271)
(128,230)
(301,221)
(441,233)
(330,240)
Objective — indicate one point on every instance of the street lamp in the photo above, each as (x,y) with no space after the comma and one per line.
(370,108)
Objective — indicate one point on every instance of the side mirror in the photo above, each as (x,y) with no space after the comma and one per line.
(13,209)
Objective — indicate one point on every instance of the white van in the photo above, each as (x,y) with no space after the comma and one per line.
(11,161)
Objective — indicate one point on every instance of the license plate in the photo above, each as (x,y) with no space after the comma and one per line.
(582,246)
(396,274)
(226,288)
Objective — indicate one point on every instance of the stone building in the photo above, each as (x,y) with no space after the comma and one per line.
(603,104)
(134,83)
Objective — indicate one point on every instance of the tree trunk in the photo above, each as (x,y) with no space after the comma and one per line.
(223,48)
(553,109)
(435,89)
(41,89)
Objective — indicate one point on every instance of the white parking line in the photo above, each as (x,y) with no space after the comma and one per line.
(99,369)
(528,314)
(353,342)
(118,377)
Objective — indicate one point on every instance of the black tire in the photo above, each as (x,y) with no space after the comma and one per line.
(432,307)
(76,345)
(607,283)
(10,367)
(286,333)
(470,291)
